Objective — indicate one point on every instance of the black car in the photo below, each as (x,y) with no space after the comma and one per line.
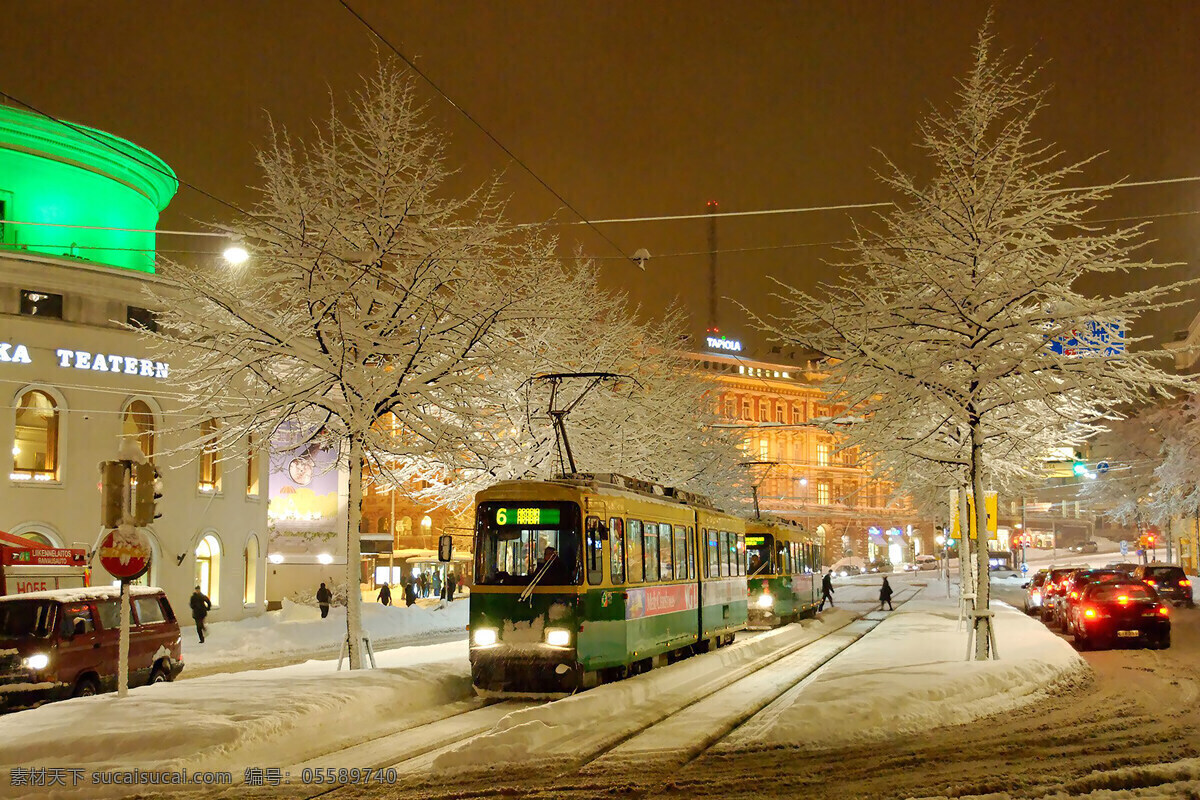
(1171,583)
(1125,566)
(1121,613)
(1084,547)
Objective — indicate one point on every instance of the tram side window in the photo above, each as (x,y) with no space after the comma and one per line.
(691,554)
(616,553)
(723,554)
(712,554)
(731,548)
(651,540)
(666,557)
(595,552)
(681,560)
(785,566)
(741,554)
(798,556)
(633,551)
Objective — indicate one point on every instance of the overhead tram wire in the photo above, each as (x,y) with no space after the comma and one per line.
(411,65)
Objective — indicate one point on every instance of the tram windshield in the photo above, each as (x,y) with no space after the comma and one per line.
(512,541)
(758,551)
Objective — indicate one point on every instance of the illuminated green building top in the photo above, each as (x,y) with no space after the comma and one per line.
(50,173)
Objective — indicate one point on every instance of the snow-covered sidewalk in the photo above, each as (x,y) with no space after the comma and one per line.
(297,633)
(910,675)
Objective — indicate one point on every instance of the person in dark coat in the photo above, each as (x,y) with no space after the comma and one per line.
(451,585)
(385,595)
(885,595)
(826,590)
(200,608)
(410,592)
(324,596)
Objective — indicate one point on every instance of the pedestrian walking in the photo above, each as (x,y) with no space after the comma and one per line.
(424,584)
(451,585)
(826,591)
(437,585)
(885,595)
(200,608)
(324,596)
(385,595)
(410,592)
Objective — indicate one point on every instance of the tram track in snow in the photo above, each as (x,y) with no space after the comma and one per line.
(711,713)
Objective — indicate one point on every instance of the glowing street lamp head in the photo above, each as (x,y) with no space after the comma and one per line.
(236,254)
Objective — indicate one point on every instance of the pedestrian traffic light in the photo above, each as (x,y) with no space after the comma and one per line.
(147,489)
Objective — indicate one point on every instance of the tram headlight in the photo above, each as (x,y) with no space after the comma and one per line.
(483,637)
(765,600)
(558,637)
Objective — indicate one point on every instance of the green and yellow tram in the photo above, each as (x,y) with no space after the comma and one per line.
(781,574)
(589,578)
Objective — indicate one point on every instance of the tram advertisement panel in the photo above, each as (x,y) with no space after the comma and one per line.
(651,601)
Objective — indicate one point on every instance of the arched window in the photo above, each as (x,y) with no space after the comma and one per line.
(208,567)
(35,440)
(37,538)
(250,571)
(210,466)
(138,424)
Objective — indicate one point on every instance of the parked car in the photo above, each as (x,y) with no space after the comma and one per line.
(1171,582)
(926,562)
(879,566)
(846,570)
(1033,591)
(1084,547)
(1073,590)
(1121,612)
(64,643)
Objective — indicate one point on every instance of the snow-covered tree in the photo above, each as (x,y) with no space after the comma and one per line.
(369,317)
(971,309)
(1127,492)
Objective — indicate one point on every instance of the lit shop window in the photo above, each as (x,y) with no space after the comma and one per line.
(41,304)
(35,440)
(208,567)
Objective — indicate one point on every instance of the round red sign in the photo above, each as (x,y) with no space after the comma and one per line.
(125,554)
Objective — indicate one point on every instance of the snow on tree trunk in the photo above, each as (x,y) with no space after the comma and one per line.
(354,632)
(983,583)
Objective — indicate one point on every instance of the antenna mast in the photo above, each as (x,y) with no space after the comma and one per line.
(712,265)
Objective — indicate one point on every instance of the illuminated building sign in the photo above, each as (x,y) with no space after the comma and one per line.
(722,343)
(93,362)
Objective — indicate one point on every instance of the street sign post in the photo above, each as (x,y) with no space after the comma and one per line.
(1102,467)
(1124,547)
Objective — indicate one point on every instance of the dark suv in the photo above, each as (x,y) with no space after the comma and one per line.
(1171,583)
(1064,610)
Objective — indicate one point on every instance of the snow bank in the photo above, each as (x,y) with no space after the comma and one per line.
(909,675)
(264,718)
(297,631)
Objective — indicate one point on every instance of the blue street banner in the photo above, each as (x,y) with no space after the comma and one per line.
(1104,339)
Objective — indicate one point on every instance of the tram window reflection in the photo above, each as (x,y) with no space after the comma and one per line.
(616,555)
(650,537)
(633,550)
(666,560)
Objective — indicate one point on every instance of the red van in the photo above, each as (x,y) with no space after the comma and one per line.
(63,643)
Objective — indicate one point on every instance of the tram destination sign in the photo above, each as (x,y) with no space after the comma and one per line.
(528,515)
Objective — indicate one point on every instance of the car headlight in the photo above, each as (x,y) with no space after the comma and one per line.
(765,601)
(559,637)
(37,661)
(483,637)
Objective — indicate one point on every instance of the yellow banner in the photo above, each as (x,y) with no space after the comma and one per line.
(991,507)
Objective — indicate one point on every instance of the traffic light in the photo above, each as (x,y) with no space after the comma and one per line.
(1150,539)
(112,493)
(147,489)
(1080,468)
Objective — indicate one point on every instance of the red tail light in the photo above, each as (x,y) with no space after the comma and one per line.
(1074,595)
(1090,613)
(1185,582)
(1123,599)
(1163,610)
(1151,582)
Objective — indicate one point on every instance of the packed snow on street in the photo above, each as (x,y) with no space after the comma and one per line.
(859,702)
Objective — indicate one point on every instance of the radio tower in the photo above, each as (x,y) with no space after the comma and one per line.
(712,266)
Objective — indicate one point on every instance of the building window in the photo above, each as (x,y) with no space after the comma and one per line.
(35,440)
(764,449)
(779,413)
(141,318)
(730,409)
(823,494)
(208,567)
(250,570)
(747,410)
(251,466)
(824,451)
(764,413)
(41,304)
(210,466)
(138,425)
(797,413)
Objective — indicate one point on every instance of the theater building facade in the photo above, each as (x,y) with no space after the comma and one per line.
(78,212)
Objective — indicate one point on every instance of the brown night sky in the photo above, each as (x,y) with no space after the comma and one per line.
(635,108)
